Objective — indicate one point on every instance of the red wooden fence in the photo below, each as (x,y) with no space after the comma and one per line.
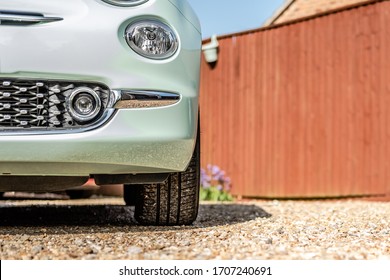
(303,109)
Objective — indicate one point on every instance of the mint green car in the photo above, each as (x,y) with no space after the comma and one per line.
(103,89)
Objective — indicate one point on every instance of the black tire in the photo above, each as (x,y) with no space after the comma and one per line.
(131,194)
(79,194)
(174,202)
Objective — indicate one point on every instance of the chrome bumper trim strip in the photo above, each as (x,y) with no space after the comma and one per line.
(130,99)
(25,18)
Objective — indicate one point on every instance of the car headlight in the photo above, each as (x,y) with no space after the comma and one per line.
(125,3)
(152,39)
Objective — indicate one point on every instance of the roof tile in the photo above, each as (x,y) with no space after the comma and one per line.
(295,9)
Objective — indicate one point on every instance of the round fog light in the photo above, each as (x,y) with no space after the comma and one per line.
(84,104)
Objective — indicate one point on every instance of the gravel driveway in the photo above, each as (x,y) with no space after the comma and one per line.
(88,229)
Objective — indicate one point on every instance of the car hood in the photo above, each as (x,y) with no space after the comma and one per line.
(52,7)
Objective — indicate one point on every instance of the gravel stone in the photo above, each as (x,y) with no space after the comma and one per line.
(37,249)
(134,250)
(103,229)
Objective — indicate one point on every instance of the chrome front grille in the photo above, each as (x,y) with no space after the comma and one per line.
(33,104)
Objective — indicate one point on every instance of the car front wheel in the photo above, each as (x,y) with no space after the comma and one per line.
(174,202)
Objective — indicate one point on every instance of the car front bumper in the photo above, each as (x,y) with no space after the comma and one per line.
(88,45)
(133,141)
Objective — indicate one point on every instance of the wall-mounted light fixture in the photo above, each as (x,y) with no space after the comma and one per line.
(210,50)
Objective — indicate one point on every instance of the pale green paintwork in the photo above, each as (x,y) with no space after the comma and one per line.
(157,141)
(88,45)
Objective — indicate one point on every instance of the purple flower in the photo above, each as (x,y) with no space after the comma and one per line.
(215,176)
(215,170)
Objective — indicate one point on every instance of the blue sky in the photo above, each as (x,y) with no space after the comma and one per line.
(228,16)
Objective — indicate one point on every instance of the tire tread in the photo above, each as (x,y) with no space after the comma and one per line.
(174,202)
